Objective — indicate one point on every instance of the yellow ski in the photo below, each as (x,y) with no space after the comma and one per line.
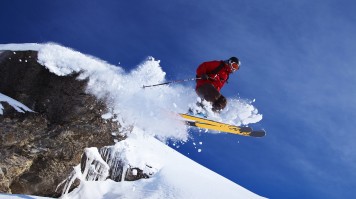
(218,126)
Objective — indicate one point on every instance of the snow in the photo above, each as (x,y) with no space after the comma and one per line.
(19,196)
(21,47)
(177,177)
(144,115)
(18,106)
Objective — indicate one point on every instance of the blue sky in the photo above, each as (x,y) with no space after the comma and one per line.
(298,63)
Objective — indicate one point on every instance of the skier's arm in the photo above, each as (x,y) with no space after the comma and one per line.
(205,68)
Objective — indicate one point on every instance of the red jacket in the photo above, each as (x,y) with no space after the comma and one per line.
(217,80)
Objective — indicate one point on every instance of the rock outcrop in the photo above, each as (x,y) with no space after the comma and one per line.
(39,149)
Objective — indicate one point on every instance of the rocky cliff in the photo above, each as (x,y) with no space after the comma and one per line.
(39,149)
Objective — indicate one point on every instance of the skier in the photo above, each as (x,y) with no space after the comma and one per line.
(211,77)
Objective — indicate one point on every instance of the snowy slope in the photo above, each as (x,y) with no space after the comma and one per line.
(177,177)
(152,112)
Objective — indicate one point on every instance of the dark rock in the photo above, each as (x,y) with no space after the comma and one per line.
(39,149)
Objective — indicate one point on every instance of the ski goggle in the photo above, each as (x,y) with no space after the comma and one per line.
(234,66)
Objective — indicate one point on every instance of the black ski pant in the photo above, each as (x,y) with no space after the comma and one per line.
(209,93)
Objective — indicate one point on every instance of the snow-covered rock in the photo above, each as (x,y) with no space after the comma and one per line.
(140,114)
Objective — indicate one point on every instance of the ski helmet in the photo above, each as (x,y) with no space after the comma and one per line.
(234,63)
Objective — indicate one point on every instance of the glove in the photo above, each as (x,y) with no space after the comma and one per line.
(205,77)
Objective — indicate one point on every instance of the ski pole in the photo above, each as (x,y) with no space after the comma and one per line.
(170,82)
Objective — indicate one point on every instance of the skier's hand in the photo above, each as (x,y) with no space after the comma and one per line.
(205,77)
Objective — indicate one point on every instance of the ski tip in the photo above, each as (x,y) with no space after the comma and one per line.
(258,133)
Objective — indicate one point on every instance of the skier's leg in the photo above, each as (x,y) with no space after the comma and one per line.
(219,104)
(208,92)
